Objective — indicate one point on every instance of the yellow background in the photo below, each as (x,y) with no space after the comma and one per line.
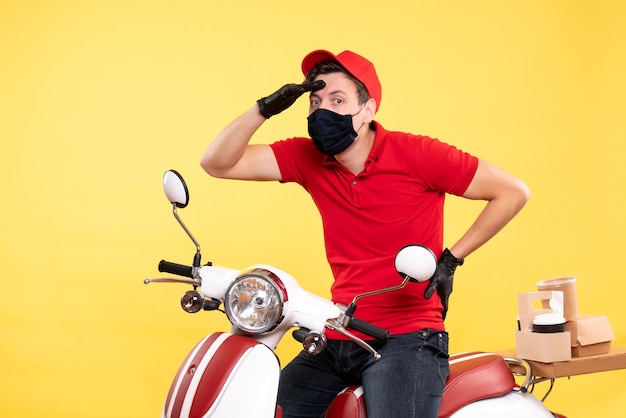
(99,98)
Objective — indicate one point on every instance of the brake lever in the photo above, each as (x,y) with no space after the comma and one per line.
(336,326)
(193,282)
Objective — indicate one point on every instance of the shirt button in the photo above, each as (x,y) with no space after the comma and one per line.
(354,182)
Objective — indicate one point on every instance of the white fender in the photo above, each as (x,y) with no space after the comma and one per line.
(225,376)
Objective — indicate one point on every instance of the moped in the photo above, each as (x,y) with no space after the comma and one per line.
(236,373)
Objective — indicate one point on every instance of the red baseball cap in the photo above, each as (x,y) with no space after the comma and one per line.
(360,68)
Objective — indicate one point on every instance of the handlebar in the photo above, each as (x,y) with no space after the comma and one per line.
(174,268)
(355,324)
(368,329)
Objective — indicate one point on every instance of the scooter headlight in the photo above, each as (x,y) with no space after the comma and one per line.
(254,302)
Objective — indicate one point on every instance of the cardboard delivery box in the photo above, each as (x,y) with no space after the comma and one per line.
(538,346)
(590,335)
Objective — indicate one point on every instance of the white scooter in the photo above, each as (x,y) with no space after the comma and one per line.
(236,373)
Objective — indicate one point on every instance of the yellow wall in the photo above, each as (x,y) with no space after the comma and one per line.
(99,98)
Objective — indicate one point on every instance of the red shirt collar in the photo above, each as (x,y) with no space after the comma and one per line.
(329,160)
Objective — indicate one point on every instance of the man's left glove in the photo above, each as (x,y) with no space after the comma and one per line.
(285,96)
(443,279)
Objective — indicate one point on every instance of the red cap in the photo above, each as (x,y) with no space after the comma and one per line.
(360,68)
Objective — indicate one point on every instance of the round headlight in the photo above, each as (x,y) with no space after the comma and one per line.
(254,302)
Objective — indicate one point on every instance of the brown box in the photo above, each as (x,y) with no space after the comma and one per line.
(542,347)
(590,335)
(546,348)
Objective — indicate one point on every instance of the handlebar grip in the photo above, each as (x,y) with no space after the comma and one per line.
(369,329)
(173,268)
(300,334)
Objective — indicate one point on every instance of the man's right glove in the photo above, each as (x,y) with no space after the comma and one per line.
(443,279)
(285,96)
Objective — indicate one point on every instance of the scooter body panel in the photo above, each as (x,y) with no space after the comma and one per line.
(225,375)
(513,405)
(351,404)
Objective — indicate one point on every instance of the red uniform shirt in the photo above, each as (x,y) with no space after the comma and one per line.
(395,201)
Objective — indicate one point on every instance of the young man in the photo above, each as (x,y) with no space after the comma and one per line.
(377,191)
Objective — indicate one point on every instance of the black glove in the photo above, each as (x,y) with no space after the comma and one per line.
(443,278)
(285,96)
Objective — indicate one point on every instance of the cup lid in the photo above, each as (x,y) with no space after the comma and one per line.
(557,281)
(549,319)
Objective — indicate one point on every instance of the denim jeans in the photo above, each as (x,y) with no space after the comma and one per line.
(407,382)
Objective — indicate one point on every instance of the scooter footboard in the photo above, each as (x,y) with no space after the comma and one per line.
(225,375)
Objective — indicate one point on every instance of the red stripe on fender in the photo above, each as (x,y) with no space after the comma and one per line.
(217,372)
(184,375)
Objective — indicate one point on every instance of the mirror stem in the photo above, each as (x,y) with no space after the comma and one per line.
(352,308)
(378,292)
(196,259)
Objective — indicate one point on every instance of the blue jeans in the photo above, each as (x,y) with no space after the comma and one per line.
(407,382)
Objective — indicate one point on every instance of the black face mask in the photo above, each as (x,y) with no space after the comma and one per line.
(331,132)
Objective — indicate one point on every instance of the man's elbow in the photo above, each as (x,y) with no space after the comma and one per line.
(210,168)
(522,193)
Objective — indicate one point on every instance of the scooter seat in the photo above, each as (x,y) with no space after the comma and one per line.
(349,403)
(474,376)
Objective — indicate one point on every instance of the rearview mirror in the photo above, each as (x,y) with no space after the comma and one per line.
(175,188)
(417,262)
